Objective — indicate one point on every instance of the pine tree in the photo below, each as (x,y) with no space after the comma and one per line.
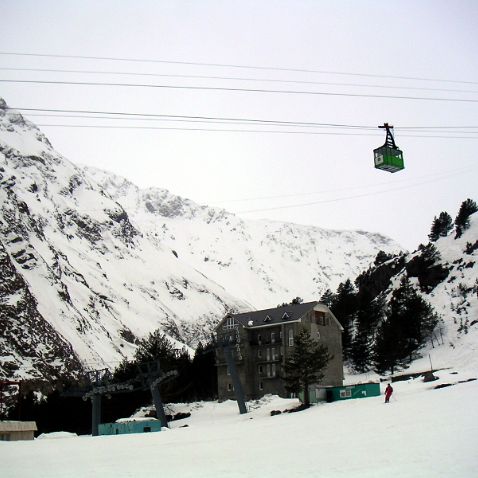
(369,314)
(328,298)
(306,365)
(156,347)
(446,223)
(381,257)
(409,321)
(462,221)
(441,226)
(344,308)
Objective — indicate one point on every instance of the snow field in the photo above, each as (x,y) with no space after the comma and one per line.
(422,433)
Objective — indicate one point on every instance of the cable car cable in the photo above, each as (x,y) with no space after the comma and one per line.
(327,191)
(226,65)
(241,90)
(331,133)
(232,78)
(324,201)
(245,122)
(155,115)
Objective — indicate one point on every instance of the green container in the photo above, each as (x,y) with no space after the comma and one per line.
(388,159)
(363,390)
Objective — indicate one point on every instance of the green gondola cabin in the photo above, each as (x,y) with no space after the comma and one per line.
(388,157)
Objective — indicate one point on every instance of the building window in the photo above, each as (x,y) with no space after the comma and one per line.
(269,370)
(228,371)
(273,337)
(322,318)
(273,353)
(230,388)
(347,393)
(273,370)
(259,339)
(318,335)
(261,369)
(261,386)
(259,353)
(291,337)
(229,323)
(268,354)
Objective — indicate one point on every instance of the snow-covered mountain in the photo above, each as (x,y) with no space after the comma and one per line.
(90,262)
(263,262)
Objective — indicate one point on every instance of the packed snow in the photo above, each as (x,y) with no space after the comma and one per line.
(422,432)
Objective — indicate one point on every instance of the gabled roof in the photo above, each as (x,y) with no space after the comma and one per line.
(294,312)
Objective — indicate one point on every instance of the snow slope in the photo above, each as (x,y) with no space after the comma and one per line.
(263,262)
(423,432)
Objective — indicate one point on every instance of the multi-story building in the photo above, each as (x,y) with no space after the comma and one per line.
(261,341)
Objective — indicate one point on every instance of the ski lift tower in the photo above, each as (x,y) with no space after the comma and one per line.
(229,343)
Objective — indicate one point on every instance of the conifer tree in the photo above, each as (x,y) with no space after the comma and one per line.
(344,308)
(441,226)
(381,257)
(409,321)
(462,221)
(369,314)
(306,365)
(328,298)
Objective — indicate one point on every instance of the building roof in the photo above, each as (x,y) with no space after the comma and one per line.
(16,426)
(277,315)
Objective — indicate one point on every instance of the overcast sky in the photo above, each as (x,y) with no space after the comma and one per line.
(327,174)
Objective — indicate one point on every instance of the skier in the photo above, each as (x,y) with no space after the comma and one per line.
(388,393)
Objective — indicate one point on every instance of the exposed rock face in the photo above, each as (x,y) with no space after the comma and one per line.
(29,347)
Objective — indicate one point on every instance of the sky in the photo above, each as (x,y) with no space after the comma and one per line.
(355,64)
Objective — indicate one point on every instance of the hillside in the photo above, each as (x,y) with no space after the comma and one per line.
(444,274)
(90,263)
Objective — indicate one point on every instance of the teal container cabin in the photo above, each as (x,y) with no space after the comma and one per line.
(333,394)
(362,390)
(123,428)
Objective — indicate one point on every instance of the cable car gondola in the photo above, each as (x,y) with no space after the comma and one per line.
(388,157)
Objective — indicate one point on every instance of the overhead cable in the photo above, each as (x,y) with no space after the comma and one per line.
(241,90)
(228,65)
(330,133)
(234,78)
(345,198)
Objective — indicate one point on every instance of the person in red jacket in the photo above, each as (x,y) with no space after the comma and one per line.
(388,393)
